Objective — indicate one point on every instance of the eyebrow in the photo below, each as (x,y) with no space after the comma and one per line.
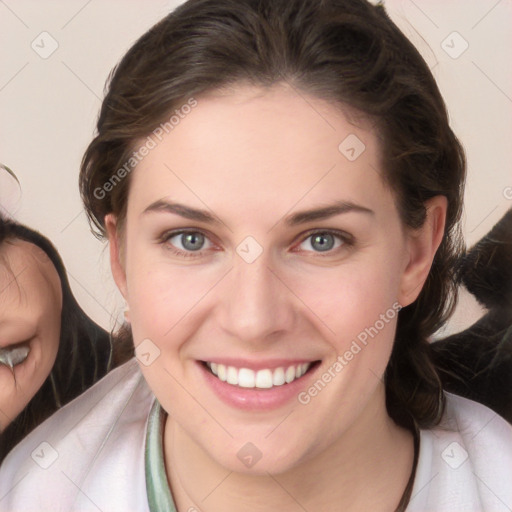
(186,212)
(301,217)
(326,212)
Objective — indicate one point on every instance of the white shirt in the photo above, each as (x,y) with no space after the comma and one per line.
(90,456)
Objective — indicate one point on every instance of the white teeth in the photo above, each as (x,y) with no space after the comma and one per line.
(278,377)
(12,356)
(262,379)
(246,378)
(232,375)
(221,372)
(290,374)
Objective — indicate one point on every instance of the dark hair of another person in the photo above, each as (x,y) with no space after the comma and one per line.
(477,362)
(347,52)
(83,357)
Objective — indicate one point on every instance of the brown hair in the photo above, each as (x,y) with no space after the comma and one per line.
(348,52)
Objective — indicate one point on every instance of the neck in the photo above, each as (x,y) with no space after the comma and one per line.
(366,468)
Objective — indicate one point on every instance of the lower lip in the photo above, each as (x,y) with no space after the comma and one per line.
(252,399)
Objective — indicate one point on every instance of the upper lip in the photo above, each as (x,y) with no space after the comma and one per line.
(271,364)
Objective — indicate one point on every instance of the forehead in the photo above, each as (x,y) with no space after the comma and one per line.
(248,145)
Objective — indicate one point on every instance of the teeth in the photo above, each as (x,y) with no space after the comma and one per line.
(232,375)
(290,374)
(262,379)
(221,372)
(13,356)
(246,378)
(278,377)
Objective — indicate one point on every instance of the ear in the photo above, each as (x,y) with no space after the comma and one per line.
(422,245)
(116,260)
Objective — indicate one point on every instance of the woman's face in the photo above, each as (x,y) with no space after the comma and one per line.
(30,316)
(260,237)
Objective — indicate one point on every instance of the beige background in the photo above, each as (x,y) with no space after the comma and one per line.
(48,108)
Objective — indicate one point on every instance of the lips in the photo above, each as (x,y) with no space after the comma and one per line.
(263,385)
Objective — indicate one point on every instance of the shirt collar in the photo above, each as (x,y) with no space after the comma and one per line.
(157,488)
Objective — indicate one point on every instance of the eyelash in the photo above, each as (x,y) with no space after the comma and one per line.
(347,241)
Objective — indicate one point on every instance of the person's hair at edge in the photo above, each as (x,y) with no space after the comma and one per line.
(347,52)
(84,354)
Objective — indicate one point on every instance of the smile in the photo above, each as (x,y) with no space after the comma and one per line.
(265,378)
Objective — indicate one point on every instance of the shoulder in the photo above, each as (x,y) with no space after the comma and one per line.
(465,462)
(85,452)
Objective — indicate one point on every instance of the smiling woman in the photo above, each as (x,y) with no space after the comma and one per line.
(310,198)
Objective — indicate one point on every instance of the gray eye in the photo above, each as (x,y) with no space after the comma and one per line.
(192,241)
(322,241)
(189,242)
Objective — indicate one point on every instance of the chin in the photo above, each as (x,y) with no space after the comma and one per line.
(258,458)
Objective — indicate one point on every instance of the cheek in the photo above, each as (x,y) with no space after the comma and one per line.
(53,329)
(50,332)
(352,297)
(162,295)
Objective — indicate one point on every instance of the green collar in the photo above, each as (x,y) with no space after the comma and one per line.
(157,488)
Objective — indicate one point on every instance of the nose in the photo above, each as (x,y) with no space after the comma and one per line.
(255,304)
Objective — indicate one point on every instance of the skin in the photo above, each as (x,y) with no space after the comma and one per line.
(30,311)
(251,157)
